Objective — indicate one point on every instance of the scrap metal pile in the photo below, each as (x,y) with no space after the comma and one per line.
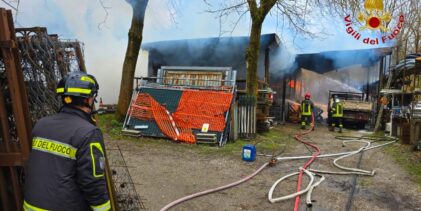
(184,105)
(31,63)
(45,59)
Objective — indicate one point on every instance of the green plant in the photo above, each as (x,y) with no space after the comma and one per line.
(407,159)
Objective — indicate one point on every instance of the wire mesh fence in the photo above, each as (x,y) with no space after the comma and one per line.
(8,104)
(126,194)
(45,59)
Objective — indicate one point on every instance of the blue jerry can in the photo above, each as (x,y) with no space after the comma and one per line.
(249,153)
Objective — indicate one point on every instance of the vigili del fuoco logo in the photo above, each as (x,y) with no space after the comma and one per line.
(376,19)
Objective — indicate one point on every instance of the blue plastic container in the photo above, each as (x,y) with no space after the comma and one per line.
(249,153)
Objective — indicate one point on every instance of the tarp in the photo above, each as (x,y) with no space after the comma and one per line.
(177,114)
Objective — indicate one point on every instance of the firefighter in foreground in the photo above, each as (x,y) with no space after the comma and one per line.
(65,170)
(307,107)
(336,114)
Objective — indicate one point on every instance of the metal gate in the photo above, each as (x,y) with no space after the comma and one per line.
(14,116)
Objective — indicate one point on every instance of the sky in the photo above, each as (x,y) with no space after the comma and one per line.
(105,44)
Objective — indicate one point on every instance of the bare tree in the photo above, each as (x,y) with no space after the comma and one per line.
(258,15)
(408,40)
(411,36)
(132,53)
(295,14)
(292,12)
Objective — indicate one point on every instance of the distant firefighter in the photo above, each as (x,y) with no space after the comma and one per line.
(307,107)
(337,114)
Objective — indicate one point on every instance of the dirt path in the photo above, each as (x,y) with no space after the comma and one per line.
(165,171)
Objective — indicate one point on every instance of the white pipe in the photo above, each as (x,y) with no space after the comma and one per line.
(348,171)
(312,185)
(342,172)
(308,199)
(186,198)
(273,200)
(353,153)
(332,155)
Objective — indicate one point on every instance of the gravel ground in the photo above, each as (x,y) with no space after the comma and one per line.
(163,171)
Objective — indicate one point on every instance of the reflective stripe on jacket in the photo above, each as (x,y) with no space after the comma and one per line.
(65,169)
(337,109)
(306,108)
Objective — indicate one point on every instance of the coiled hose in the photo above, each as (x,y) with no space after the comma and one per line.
(347,169)
(299,137)
(309,173)
(354,171)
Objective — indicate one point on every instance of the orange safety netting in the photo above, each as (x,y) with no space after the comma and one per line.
(194,109)
(146,108)
(199,107)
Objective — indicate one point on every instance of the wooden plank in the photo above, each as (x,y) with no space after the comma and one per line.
(27,117)
(16,188)
(357,105)
(15,82)
(4,197)
(80,59)
(11,159)
(5,134)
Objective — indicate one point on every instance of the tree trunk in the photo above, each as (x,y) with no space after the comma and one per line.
(130,60)
(252,58)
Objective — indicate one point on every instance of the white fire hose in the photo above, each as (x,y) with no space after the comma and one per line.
(290,196)
(348,170)
(312,184)
(334,154)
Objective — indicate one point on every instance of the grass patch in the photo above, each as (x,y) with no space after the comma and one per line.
(407,158)
(366,182)
(274,141)
(108,124)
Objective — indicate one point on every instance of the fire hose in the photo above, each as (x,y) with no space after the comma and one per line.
(309,188)
(186,198)
(299,137)
(178,201)
(310,173)
(335,154)
(348,170)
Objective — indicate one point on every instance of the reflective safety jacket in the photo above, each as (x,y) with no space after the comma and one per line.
(65,169)
(337,109)
(306,108)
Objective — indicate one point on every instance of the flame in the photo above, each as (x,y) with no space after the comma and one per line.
(291,83)
(297,85)
(373,5)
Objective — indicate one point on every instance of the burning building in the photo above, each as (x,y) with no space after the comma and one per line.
(319,73)
(289,75)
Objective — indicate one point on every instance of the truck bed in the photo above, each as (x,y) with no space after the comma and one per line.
(356,105)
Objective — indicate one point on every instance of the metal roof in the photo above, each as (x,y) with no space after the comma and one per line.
(210,52)
(323,62)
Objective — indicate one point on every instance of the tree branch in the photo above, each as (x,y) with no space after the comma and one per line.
(104,22)
(10,5)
